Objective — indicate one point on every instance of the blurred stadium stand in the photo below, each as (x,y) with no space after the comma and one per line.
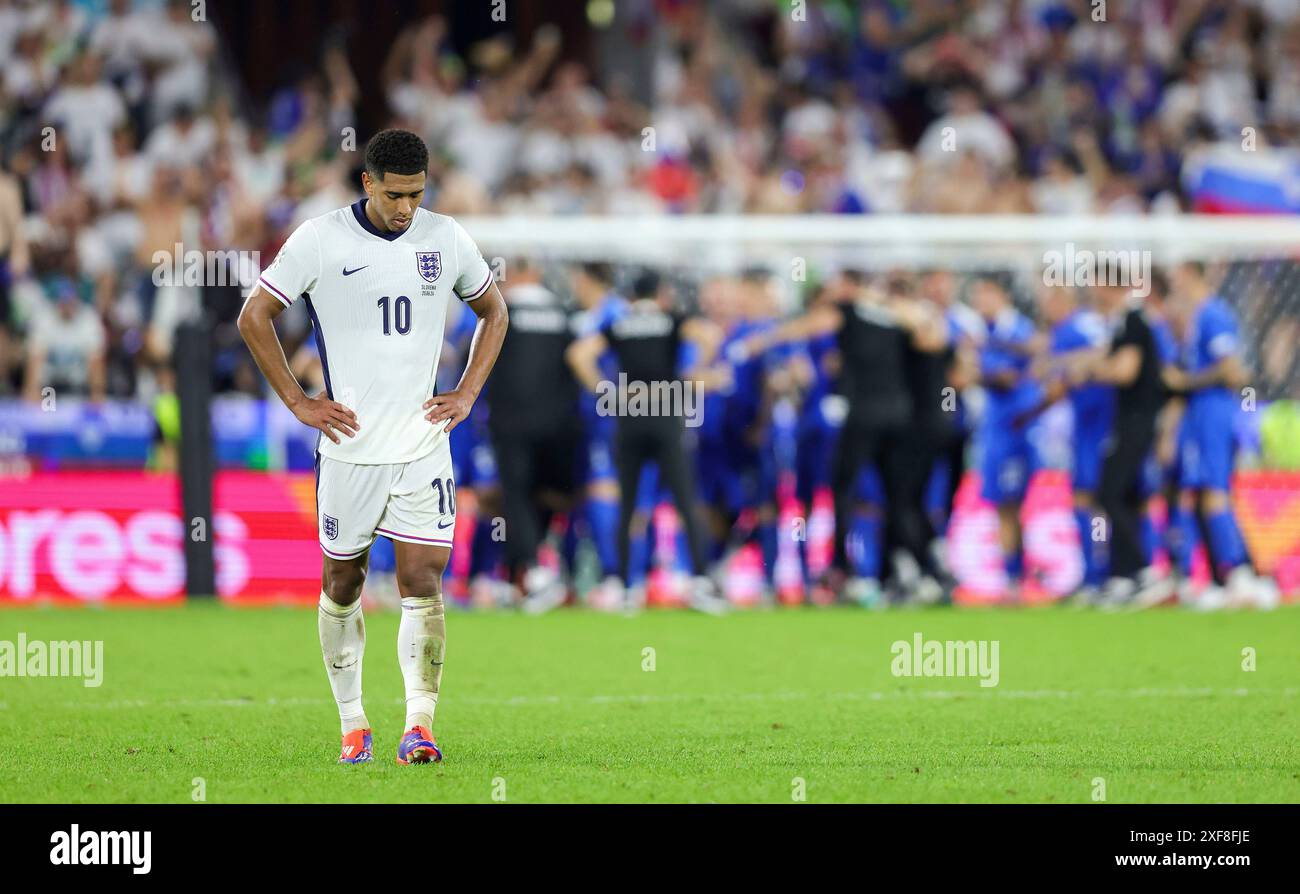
(225,134)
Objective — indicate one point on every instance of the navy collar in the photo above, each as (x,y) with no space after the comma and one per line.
(359,212)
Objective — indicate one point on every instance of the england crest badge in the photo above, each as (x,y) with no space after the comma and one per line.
(429,264)
(330,525)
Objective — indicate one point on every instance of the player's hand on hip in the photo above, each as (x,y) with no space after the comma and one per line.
(327,416)
(453,407)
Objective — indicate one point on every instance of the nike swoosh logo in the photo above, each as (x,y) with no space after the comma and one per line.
(347,272)
(442,527)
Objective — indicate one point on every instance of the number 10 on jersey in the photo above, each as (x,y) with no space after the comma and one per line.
(400,318)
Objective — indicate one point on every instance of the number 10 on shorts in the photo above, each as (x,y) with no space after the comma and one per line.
(446,496)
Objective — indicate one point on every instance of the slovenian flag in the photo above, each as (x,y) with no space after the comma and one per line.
(1227,179)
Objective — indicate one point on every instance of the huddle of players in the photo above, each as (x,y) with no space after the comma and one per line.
(874,393)
(1154,384)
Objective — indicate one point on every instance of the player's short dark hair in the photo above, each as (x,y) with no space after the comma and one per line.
(396,151)
(900,283)
(598,270)
(1159,283)
(646,284)
(992,279)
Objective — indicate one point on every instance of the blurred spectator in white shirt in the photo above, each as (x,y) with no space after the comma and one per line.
(65,347)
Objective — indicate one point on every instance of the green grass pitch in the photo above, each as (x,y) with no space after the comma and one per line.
(756,706)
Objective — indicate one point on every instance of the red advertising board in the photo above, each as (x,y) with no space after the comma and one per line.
(116,536)
(1267,505)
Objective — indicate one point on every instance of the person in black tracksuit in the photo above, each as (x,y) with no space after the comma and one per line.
(960,355)
(1132,365)
(531,397)
(929,436)
(645,336)
(875,333)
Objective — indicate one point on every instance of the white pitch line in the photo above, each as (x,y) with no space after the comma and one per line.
(786,695)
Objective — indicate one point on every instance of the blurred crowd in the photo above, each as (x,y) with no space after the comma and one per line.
(1019,106)
(123,134)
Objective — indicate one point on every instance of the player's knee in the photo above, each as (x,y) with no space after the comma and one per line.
(423,580)
(342,583)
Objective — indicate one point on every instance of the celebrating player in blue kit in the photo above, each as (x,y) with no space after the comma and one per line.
(1076,333)
(1008,455)
(593,287)
(1211,375)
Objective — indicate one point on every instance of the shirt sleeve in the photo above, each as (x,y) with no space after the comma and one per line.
(1092,330)
(1220,336)
(598,319)
(608,314)
(952,330)
(296,268)
(474,274)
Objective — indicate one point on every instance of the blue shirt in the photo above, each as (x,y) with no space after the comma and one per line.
(605,312)
(592,321)
(748,377)
(817,349)
(1212,337)
(1005,350)
(1166,344)
(1081,330)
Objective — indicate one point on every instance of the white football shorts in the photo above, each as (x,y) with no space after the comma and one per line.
(414,502)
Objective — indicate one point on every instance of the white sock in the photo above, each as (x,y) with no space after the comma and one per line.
(343,645)
(421,644)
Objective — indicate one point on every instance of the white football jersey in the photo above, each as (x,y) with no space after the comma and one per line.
(378,303)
